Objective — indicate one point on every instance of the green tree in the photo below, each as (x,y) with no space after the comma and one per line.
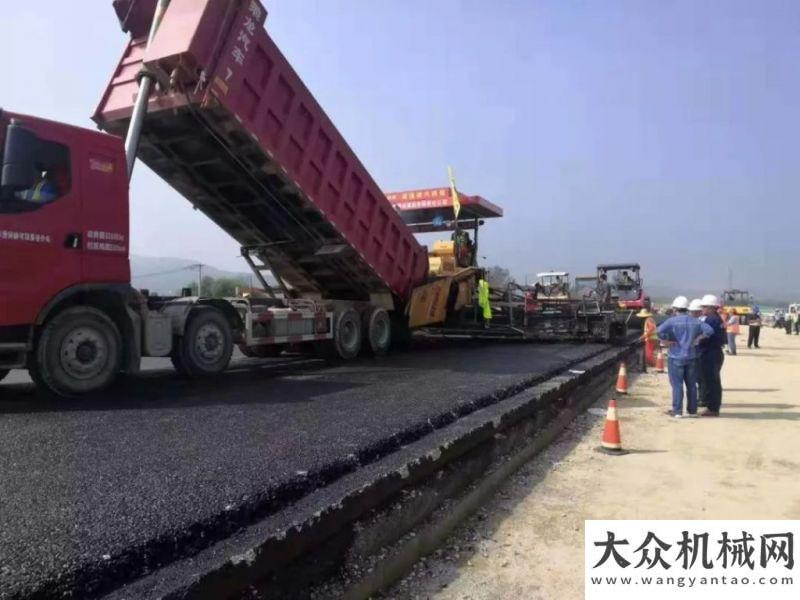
(218,288)
(208,286)
(226,286)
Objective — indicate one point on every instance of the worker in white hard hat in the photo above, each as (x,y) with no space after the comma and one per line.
(696,310)
(711,358)
(682,333)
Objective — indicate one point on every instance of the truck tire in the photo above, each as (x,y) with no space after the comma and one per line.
(378,331)
(3,373)
(206,345)
(79,351)
(347,335)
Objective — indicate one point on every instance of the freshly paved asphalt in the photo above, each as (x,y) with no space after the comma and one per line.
(160,466)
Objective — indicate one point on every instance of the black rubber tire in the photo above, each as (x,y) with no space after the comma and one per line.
(378,331)
(347,335)
(3,373)
(51,368)
(188,357)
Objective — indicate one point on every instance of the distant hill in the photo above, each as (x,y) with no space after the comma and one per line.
(165,275)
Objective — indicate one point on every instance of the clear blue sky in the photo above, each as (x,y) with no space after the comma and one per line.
(664,132)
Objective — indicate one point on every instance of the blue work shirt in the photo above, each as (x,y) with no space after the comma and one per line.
(683,329)
(718,338)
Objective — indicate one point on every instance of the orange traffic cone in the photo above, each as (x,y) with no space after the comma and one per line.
(611,441)
(660,361)
(622,379)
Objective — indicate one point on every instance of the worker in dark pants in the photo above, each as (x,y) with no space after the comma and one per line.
(711,359)
(792,322)
(682,333)
(754,332)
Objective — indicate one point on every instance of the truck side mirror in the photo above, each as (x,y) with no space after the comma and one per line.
(19,158)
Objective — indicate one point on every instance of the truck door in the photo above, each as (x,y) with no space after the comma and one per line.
(104,205)
(40,233)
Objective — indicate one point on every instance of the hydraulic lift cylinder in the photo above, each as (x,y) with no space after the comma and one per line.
(140,107)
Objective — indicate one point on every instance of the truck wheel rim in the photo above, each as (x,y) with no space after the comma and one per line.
(348,334)
(381,333)
(84,353)
(208,343)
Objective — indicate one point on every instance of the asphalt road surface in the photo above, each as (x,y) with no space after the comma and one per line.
(105,487)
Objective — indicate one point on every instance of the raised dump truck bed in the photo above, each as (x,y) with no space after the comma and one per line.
(236,132)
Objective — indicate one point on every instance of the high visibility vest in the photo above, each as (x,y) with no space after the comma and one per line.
(483,298)
(38,193)
(650,328)
(733,326)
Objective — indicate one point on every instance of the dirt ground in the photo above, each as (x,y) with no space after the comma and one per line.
(528,542)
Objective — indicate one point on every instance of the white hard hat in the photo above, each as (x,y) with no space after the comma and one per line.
(681,303)
(695,304)
(709,300)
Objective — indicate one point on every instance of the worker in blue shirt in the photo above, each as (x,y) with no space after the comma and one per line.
(711,358)
(682,333)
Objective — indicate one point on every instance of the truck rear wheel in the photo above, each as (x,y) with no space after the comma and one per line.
(378,330)
(206,345)
(347,335)
(78,352)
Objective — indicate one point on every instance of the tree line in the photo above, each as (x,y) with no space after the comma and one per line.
(221,287)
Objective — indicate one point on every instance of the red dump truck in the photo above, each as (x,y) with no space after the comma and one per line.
(209,103)
(205,99)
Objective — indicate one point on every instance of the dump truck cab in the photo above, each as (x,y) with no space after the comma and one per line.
(63,226)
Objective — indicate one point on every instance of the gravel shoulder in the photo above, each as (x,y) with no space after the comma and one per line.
(528,542)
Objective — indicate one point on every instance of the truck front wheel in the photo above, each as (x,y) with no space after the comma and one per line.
(78,352)
(206,345)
